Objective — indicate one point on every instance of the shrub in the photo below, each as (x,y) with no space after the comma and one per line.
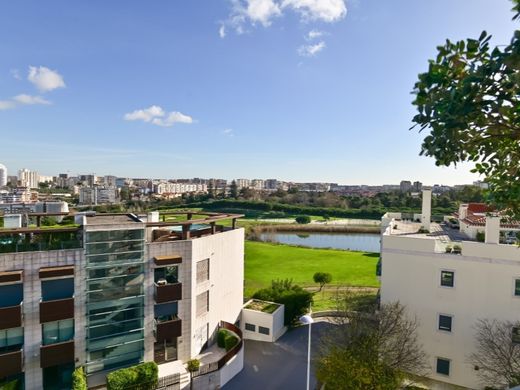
(193,365)
(12,385)
(303,219)
(448,248)
(79,379)
(481,236)
(230,341)
(221,337)
(457,248)
(144,375)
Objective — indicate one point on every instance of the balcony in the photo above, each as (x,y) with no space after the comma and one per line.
(167,330)
(58,309)
(11,363)
(56,354)
(168,292)
(11,317)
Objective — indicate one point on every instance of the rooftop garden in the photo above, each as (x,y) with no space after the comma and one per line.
(263,306)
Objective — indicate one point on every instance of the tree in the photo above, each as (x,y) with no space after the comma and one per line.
(211,190)
(497,355)
(193,366)
(370,349)
(303,219)
(322,278)
(233,190)
(469,101)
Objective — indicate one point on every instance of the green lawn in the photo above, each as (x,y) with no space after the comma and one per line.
(265,262)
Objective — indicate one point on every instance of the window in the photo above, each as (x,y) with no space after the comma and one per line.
(515,337)
(263,330)
(11,339)
(445,322)
(58,377)
(202,303)
(166,311)
(202,270)
(11,294)
(443,366)
(250,327)
(166,275)
(517,287)
(57,331)
(447,278)
(57,289)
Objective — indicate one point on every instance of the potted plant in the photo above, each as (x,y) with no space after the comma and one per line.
(193,366)
(457,249)
(449,248)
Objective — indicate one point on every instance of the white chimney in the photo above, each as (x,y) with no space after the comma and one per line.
(426,208)
(153,216)
(492,229)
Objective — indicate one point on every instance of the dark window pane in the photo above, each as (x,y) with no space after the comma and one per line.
(443,366)
(250,327)
(447,278)
(11,295)
(517,287)
(57,289)
(445,323)
(263,330)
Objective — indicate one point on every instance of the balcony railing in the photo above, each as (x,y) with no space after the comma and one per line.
(59,309)
(11,363)
(167,330)
(39,246)
(11,317)
(168,292)
(56,354)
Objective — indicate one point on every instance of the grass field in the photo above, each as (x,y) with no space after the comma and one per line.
(265,262)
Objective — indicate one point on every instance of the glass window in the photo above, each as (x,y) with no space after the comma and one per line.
(11,339)
(57,331)
(202,270)
(202,303)
(115,235)
(166,311)
(445,323)
(516,334)
(263,330)
(517,287)
(57,289)
(11,295)
(58,377)
(166,275)
(443,366)
(250,327)
(447,278)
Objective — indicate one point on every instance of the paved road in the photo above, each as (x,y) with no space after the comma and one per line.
(280,365)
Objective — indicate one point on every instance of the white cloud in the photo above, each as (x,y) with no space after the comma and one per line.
(228,132)
(45,79)
(222,31)
(324,10)
(22,100)
(311,50)
(313,34)
(28,99)
(157,116)
(264,11)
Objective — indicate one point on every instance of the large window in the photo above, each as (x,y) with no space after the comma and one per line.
(11,294)
(202,270)
(447,278)
(443,366)
(517,287)
(11,339)
(57,289)
(445,322)
(57,331)
(166,275)
(202,303)
(166,311)
(58,377)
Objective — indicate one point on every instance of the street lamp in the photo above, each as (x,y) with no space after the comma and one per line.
(307,320)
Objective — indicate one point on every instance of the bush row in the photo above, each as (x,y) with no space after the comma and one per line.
(142,375)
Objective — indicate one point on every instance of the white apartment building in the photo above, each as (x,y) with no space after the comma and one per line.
(98,195)
(243,183)
(3,175)
(180,188)
(28,178)
(450,291)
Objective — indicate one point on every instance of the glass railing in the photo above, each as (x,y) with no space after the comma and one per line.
(39,246)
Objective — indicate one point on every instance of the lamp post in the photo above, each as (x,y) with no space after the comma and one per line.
(307,320)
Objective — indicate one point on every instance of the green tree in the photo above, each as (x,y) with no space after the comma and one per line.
(322,278)
(211,190)
(303,219)
(79,379)
(233,190)
(193,366)
(468,100)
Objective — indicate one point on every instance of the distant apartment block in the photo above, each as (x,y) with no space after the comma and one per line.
(27,178)
(98,195)
(128,289)
(180,188)
(449,280)
(3,176)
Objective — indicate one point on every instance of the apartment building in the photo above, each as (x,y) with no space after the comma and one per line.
(129,289)
(449,280)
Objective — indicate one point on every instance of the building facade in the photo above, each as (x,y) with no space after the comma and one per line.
(449,281)
(3,175)
(130,289)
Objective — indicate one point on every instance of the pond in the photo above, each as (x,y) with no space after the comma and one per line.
(354,241)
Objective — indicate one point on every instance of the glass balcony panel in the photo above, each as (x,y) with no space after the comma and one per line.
(114,293)
(115,272)
(57,289)
(11,339)
(114,328)
(117,282)
(115,235)
(101,344)
(113,247)
(113,305)
(11,295)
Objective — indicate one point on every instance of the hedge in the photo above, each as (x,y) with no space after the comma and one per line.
(221,338)
(12,385)
(231,341)
(144,375)
(79,379)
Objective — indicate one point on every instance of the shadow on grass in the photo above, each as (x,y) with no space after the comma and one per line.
(371,254)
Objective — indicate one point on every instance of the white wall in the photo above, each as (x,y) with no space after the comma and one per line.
(272,321)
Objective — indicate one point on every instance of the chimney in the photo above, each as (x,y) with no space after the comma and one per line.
(426,208)
(492,229)
(153,216)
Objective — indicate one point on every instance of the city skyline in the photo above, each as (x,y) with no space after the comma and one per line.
(181,90)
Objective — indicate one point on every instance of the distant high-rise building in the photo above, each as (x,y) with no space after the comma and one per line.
(28,178)
(110,181)
(405,186)
(417,186)
(3,175)
(243,183)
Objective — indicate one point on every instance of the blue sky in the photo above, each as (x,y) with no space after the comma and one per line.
(223,88)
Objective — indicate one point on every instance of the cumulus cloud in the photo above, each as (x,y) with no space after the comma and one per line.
(264,11)
(22,100)
(311,50)
(313,34)
(157,116)
(45,79)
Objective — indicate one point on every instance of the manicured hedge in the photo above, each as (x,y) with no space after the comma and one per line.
(142,375)
(12,385)
(231,341)
(221,338)
(79,379)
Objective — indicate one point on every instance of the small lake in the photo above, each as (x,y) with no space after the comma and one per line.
(354,241)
